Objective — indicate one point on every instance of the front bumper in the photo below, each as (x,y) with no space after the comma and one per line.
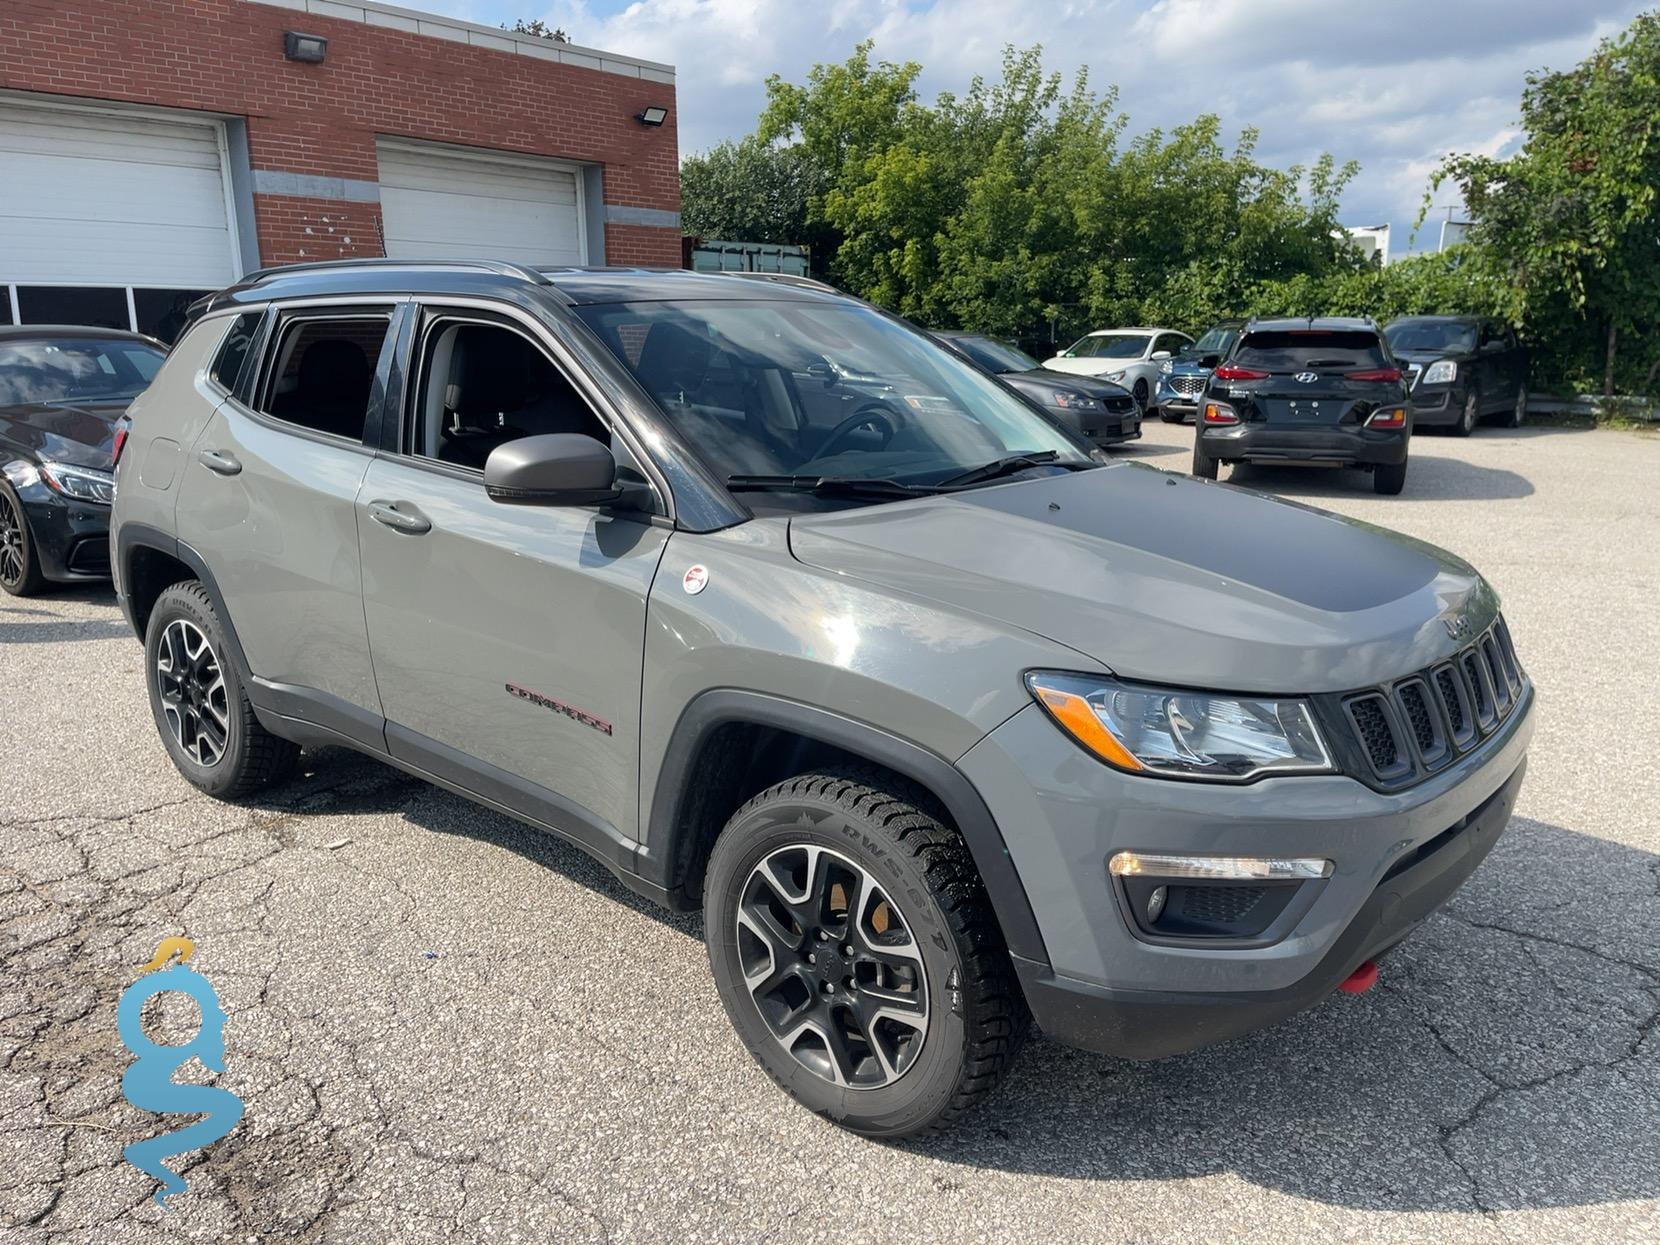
(1337,446)
(1437,405)
(71,538)
(1396,858)
(1168,399)
(1111,428)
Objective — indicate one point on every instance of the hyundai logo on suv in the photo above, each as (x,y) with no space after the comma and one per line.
(1306,378)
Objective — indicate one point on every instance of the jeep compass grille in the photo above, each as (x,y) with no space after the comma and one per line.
(1409,729)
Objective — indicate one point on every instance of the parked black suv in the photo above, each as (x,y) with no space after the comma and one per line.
(1461,370)
(1321,390)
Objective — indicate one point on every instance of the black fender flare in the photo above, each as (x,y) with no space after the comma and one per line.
(132,536)
(723,706)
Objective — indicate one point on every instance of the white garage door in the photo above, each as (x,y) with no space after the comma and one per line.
(439,202)
(89,198)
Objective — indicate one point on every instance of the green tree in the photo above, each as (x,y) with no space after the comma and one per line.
(1568,223)
(749,191)
(537,28)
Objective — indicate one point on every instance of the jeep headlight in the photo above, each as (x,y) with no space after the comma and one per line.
(1180,734)
(81,483)
(1441,372)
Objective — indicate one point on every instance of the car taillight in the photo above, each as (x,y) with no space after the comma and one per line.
(122,428)
(1219,413)
(1228,371)
(1376,373)
(1387,417)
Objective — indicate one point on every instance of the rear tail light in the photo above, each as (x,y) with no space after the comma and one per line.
(1229,371)
(1387,417)
(122,427)
(1377,373)
(1220,413)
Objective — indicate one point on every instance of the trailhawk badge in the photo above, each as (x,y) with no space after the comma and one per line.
(696,579)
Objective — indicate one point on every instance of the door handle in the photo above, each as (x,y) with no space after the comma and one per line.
(408,520)
(219,461)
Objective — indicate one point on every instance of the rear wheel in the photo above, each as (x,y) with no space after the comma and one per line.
(1204,466)
(857,955)
(20,572)
(1389,480)
(199,704)
(1470,416)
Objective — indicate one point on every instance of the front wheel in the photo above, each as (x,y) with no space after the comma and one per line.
(20,574)
(856,953)
(1141,395)
(1470,416)
(1518,409)
(200,706)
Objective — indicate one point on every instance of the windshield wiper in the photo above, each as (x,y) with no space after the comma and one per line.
(849,486)
(1001,467)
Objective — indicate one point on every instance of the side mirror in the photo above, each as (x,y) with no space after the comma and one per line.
(557,469)
(1160,354)
(1210,360)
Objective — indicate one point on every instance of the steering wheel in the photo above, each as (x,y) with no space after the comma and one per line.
(878,415)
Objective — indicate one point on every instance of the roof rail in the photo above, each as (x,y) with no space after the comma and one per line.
(501,267)
(783,278)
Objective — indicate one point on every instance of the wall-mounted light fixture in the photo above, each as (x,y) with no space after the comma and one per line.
(653,116)
(308,48)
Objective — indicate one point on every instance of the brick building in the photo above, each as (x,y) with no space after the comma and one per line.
(154,149)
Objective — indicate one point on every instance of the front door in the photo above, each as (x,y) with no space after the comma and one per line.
(507,639)
(269,490)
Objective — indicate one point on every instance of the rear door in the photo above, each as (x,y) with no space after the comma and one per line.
(508,640)
(1314,378)
(268,498)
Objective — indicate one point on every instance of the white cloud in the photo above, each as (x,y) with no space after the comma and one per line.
(1394,86)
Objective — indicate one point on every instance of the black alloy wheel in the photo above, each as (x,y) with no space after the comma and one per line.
(19,570)
(194,699)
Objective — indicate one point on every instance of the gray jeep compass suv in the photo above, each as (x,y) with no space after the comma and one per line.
(779,608)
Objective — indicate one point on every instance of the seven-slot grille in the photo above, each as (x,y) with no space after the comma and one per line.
(1415,725)
(1189,386)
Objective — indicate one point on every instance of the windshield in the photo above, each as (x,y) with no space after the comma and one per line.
(75,369)
(1298,349)
(1109,346)
(1445,335)
(995,356)
(798,389)
(1215,341)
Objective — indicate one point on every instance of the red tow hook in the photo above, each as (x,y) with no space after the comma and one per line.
(1361,980)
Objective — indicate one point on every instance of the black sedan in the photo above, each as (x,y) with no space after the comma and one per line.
(62,389)
(1097,410)
(1461,370)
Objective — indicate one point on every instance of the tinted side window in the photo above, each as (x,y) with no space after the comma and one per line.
(483,386)
(322,371)
(233,351)
(1294,351)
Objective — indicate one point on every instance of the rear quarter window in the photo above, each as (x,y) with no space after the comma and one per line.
(233,351)
(1296,351)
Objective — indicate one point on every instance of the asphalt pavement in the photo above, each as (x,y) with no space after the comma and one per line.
(446,1026)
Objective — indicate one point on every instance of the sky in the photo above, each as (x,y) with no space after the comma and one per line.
(1393,86)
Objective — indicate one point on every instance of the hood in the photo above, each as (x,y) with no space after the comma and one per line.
(81,434)
(1087,366)
(1166,579)
(1186,367)
(1094,386)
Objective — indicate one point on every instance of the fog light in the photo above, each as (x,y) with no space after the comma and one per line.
(1220,868)
(1155,904)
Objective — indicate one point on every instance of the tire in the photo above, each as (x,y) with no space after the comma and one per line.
(199,704)
(20,573)
(1171,417)
(1388,481)
(1470,416)
(1141,395)
(954,1013)
(1518,409)
(1204,466)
